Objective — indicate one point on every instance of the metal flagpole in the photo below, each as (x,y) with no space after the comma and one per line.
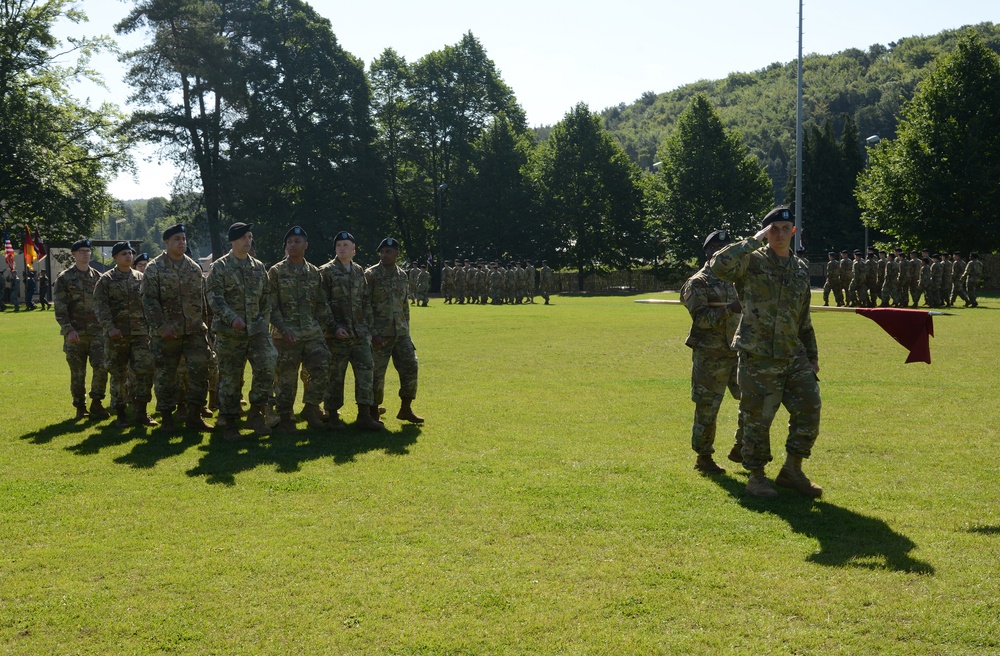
(798,146)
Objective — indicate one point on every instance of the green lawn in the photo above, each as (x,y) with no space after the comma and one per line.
(547,506)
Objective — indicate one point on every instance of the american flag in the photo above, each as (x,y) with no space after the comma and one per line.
(8,249)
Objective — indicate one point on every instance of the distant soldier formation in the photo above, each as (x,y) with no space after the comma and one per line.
(162,326)
(480,282)
(891,279)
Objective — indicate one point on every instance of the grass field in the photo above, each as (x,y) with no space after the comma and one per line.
(547,506)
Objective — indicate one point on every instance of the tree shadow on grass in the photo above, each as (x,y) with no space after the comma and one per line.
(46,434)
(223,460)
(846,538)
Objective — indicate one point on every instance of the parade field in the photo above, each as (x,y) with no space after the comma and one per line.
(547,506)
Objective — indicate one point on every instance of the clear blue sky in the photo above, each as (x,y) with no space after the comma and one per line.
(555,54)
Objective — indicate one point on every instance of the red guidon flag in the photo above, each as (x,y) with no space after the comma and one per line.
(911,328)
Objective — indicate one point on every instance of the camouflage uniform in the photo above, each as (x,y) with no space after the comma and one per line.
(832,283)
(423,287)
(777,348)
(971,277)
(529,276)
(545,280)
(459,276)
(239,289)
(391,322)
(347,296)
(714,362)
(944,293)
(447,283)
(923,285)
(74,307)
(118,304)
(173,296)
(913,278)
(890,290)
(846,275)
(934,286)
(298,306)
(958,280)
(496,286)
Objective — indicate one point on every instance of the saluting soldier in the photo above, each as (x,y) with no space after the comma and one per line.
(74,309)
(779,360)
(713,360)
(298,315)
(173,298)
(391,331)
(348,332)
(239,295)
(118,306)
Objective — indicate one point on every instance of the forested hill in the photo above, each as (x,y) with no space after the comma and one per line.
(869,85)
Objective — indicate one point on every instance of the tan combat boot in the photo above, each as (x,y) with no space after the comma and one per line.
(81,409)
(406,412)
(97,411)
(333,420)
(256,421)
(791,476)
(142,418)
(121,417)
(365,421)
(194,421)
(758,486)
(286,423)
(167,425)
(706,465)
(231,428)
(736,453)
(313,416)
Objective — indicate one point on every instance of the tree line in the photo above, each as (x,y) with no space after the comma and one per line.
(273,123)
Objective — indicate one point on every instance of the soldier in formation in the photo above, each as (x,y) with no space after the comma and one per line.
(298,316)
(173,299)
(715,309)
(390,330)
(81,331)
(118,307)
(348,333)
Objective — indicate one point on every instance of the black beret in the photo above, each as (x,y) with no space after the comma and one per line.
(926,260)
(720,236)
(141,257)
(857,251)
(832,254)
(239,229)
(780,213)
(174,230)
(121,246)
(77,245)
(296,231)
(957,253)
(343,235)
(388,242)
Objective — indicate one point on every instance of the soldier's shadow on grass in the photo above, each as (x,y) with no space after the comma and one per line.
(66,427)
(223,460)
(985,530)
(156,447)
(846,538)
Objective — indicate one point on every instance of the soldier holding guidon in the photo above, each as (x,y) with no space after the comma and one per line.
(714,362)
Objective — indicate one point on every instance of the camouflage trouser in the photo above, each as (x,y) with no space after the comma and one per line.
(404,359)
(89,347)
(233,352)
(972,290)
(357,352)
(460,293)
(125,355)
(958,291)
(314,357)
(766,383)
(167,357)
(837,295)
(915,291)
(712,372)
(888,294)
